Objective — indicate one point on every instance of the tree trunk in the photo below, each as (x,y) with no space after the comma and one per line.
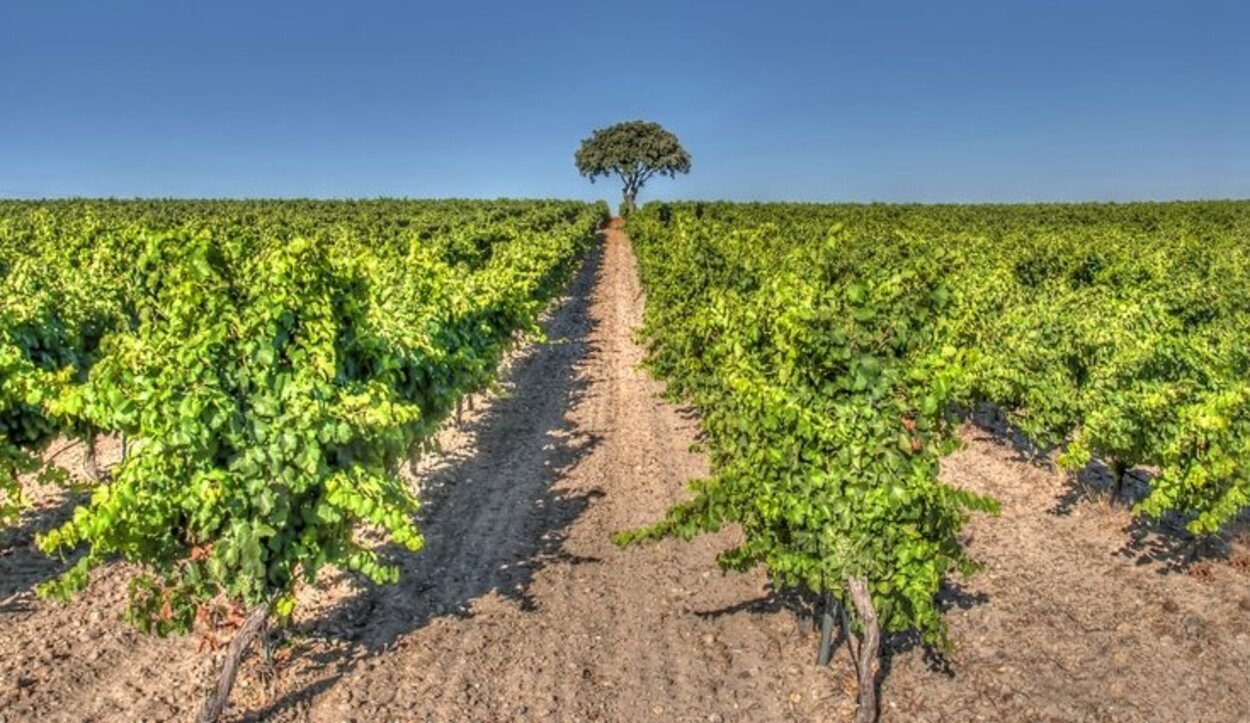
(414,461)
(215,705)
(1118,471)
(869,646)
(630,204)
(89,464)
(827,612)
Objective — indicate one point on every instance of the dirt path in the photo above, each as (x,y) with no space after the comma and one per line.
(520,608)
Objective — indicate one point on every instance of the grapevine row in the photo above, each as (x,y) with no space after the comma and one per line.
(832,351)
(271,366)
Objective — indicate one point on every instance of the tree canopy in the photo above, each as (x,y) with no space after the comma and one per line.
(633,151)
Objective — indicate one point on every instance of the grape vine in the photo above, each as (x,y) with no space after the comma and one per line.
(832,350)
(271,366)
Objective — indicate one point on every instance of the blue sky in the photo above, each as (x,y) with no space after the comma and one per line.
(891,101)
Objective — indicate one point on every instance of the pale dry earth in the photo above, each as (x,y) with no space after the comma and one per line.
(1079,614)
(521,608)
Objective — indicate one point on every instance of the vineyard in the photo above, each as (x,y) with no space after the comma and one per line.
(277,376)
(270,366)
(832,351)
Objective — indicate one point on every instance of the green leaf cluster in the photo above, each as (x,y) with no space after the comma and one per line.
(271,365)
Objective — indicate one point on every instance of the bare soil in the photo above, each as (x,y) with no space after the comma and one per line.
(520,608)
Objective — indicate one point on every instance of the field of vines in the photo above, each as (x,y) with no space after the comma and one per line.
(269,365)
(832,350)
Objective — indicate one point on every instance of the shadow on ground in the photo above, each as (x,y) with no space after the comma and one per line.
(808,611)
(23,567)
(1164,542)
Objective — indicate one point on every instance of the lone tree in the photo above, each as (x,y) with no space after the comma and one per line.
(633,151)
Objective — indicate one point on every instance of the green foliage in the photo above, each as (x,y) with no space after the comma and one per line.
(825,385)
(831,350)
(634,152)
(50,330)
(272,365)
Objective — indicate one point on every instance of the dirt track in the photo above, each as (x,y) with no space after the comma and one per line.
(521,608)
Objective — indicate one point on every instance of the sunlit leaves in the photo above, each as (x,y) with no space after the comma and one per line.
(830,349)
(271,365)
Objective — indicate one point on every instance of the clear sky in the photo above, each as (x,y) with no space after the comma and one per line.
(1002,100)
